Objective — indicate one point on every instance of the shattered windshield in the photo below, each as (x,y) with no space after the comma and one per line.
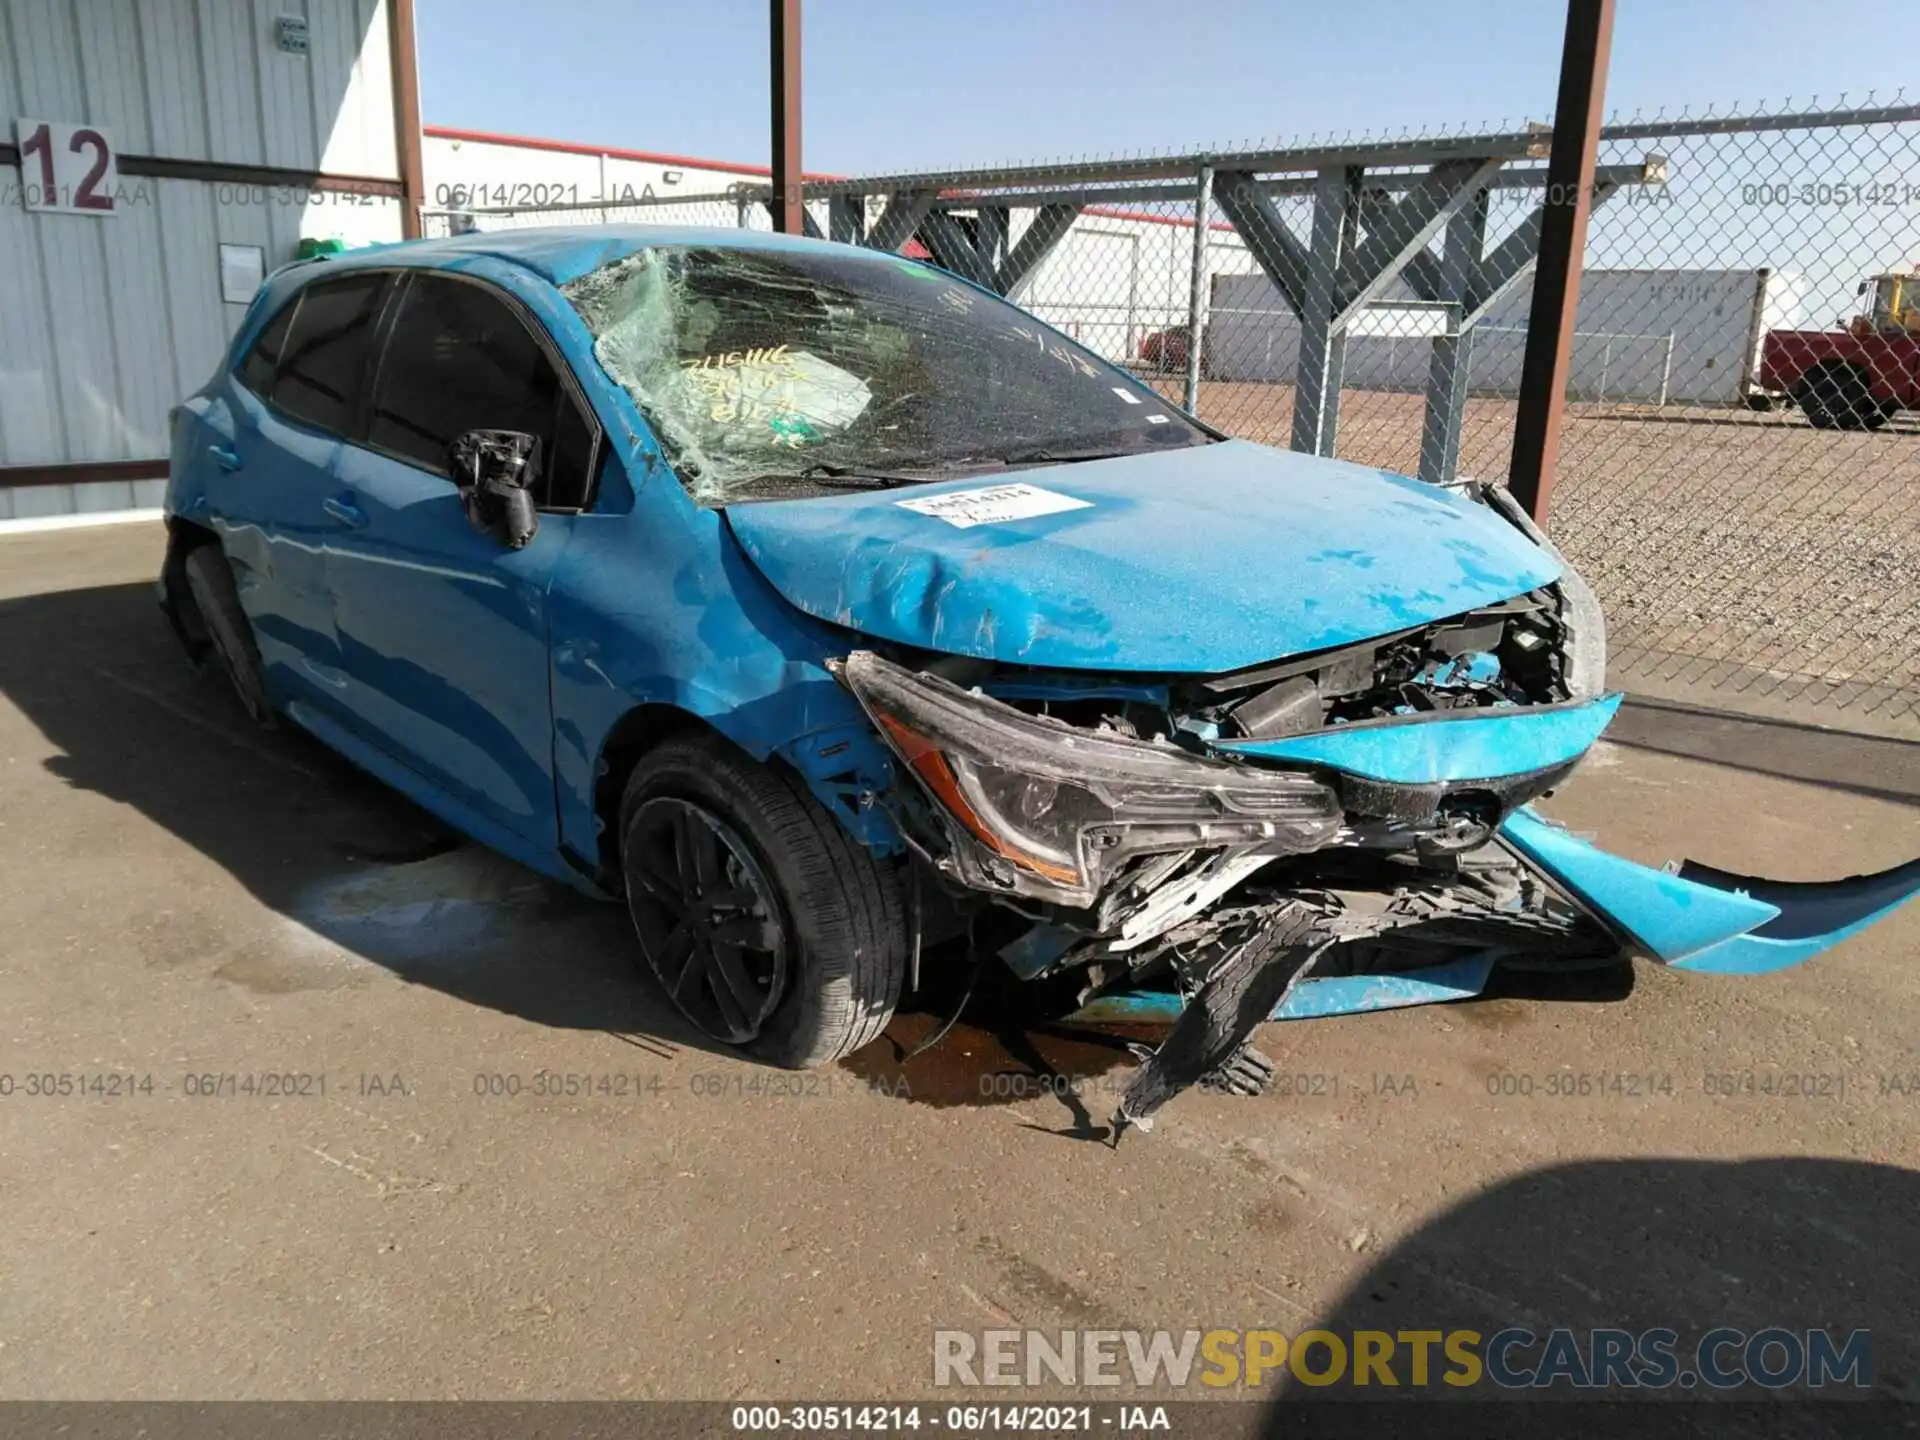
(772,374)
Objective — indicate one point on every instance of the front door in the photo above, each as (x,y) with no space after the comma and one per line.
(443,630)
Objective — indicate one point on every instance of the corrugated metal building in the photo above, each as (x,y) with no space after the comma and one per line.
(159,156)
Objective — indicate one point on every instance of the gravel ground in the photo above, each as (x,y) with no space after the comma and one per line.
(1745,560)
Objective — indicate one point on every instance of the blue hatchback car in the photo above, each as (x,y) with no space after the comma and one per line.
(827,608)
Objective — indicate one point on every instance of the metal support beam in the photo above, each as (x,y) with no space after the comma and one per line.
(1514,257)
(953,249)
(1578,111)
(1400,231)
(1312,158)
(1048,229)
(847,219)
(784,28)
(1452,354)
(899,220)
(1323,343)
(809,226)
(1266,235)
(403,46)
(1380,186)
(995,226)
(1197,286)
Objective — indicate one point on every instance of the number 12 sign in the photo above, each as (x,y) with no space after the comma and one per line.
(68,168)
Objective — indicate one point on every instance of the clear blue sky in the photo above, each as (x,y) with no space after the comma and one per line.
(905,84)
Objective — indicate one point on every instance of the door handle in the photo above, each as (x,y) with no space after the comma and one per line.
(225,456)
(345,511)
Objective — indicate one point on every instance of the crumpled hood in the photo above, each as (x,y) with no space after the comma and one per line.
(1193,560)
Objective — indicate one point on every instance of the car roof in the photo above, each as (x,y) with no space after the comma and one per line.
(560,253)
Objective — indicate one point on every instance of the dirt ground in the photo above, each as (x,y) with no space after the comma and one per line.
(1747,561)
(196,903)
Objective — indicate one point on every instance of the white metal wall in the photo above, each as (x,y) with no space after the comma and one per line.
(203,79)
(106,321)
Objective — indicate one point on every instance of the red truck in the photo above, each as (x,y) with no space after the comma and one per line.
(1856,378)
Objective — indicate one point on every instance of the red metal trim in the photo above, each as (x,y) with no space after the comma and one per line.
(85,472)
(574,147)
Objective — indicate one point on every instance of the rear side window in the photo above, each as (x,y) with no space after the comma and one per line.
(459,358)
(263,360)
(324,359)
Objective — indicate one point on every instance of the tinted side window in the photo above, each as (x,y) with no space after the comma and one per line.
(324,360)
(263,360)
(460,359)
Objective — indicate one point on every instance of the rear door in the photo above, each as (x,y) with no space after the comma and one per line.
(442,630)
(271,455)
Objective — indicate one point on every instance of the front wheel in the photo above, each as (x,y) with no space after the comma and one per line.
(769,927)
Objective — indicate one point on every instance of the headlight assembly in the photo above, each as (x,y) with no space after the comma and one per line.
(1039,808)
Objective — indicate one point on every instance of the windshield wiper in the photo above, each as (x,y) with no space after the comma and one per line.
(844,477)
(1044,456)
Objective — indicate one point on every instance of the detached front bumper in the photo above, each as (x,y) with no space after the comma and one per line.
(1694,917)
(1688,916)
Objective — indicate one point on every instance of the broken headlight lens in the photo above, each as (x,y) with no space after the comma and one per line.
(1040,808)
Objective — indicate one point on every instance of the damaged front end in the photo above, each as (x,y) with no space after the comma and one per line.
(1327,834)
(1216,841)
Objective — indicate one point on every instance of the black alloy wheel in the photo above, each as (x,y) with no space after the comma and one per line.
(708,918)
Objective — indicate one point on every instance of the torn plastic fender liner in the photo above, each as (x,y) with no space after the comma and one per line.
(1705,919)
(1447,746)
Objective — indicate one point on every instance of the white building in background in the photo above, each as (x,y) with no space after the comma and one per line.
(156,158)
(1114,279)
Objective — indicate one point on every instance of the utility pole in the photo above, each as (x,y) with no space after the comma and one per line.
(789,214)
(1577,117)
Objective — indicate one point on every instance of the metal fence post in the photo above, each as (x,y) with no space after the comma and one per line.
(1197,289)
(1321,369)
(1451,359)
(1578,112)
(789,211)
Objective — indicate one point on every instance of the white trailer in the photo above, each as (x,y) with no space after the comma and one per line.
(1660,337)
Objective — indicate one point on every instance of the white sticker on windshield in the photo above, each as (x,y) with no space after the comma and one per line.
(1126,395)
(991,504)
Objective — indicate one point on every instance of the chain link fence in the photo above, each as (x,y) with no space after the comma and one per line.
(1739,470)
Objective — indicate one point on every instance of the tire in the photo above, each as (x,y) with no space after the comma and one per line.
(734,872)
(210,579)
(1837,397)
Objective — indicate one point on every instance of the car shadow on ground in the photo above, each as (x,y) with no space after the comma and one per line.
(347,858)
(1798,1243)
(328,847)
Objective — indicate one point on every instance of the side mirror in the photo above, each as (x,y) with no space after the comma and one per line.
(495,470)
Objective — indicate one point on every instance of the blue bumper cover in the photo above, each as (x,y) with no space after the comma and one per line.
(1699,918)
(1452,746)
